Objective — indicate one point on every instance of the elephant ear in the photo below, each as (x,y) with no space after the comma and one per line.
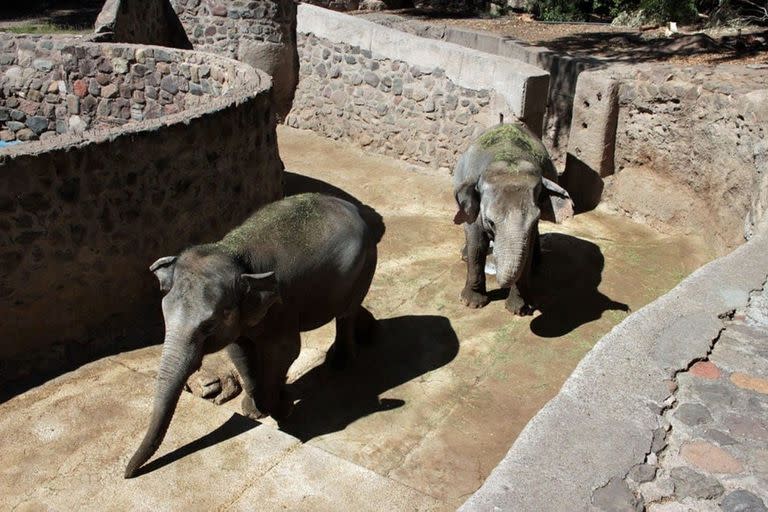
(258,293)
(163,269)
(468,202)
(554,202)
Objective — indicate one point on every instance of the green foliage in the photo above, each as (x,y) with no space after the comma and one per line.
(670,10)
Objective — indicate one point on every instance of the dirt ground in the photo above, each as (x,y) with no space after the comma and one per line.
(693,45)
(426,411)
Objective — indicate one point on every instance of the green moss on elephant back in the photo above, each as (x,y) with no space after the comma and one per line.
(513,143)
(296,219)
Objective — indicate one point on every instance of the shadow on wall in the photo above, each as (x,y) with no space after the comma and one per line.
(402,349)
(566,285)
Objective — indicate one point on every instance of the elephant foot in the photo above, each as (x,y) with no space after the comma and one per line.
(216,380)
(517,306)
(285,407)
(473,299)
(249,408)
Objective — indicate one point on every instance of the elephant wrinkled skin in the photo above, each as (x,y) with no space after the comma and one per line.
(293,266)
(503,185)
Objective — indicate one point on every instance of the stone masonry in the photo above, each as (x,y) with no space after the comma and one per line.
(50,87)
(260,33)
(714,456)
(158,149)
(385,105)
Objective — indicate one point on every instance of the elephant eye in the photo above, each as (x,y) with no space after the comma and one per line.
(491,225)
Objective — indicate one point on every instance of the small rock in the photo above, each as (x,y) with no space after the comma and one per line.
(26,134)
(642,473)
(742,501)
(750,383)
(42,65)
(710,458)
(719,437)
(168,83)
(14,125)
(615,496)
(80,87)
(371,78)
(705,370)
(692,414)
(77,125)
(120,65)
(7,135)
(37,124)
(691,484)
(109,91)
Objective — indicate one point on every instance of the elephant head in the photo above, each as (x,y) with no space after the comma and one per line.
(209,300)
(508,205)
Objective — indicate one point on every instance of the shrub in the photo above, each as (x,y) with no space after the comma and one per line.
(670,10)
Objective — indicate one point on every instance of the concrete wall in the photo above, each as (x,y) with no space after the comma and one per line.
(690,146)
(83,216)
(403,95)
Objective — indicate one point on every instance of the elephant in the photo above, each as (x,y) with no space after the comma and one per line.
(502,185)
(293,266)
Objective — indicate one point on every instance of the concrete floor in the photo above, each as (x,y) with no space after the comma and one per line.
(416,423)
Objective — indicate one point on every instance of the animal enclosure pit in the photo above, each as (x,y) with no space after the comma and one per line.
(418,421)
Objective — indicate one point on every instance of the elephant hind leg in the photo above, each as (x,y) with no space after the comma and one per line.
(343,349)
(365,326)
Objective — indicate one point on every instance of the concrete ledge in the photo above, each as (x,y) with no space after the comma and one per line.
(604,418)
(523,87)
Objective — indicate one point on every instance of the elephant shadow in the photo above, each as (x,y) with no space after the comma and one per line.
(401,349)
(294,184)
(565,285)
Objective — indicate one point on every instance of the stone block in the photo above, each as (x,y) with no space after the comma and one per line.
(592,138)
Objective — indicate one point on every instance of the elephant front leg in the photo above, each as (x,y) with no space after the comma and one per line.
(520,300)
(279,353)
(247,361)
(474,294)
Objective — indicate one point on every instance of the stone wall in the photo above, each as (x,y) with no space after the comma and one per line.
(82,216)
(563,70)
(141,21)
(386,105)
(395,93)
(691,148)
(52,87)
(261,33)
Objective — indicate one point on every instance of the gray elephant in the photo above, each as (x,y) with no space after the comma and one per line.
(502,185)
(293,266)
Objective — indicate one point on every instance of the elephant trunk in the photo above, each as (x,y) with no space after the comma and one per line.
(177,363)
(511,250)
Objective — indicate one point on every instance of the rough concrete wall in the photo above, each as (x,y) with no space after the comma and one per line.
(51,87)
(691,149)
(261,33)
(386,105)
(141,21)
(82,217)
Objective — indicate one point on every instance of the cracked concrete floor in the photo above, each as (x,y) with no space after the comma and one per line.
(416,423)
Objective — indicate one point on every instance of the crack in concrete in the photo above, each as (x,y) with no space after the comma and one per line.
(671,406)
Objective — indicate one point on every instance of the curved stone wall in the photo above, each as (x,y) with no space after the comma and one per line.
(83,214)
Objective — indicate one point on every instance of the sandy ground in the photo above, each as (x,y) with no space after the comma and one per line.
(417,422)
